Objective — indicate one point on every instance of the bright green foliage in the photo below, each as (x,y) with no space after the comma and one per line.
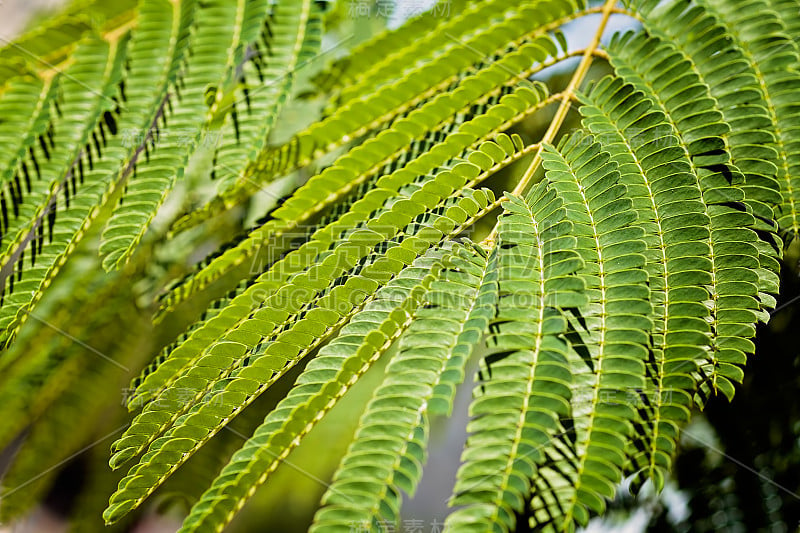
(52,41)
(193,405)
(322,383)
(293,40)
(734,255)
(619,288)
(774,57)
(365,57)
(34,98)
(155,61)
(73,177)
(381,106)
(388,452)
(673,218)
(219,26)
(613,323)
(349,170)
(525,384)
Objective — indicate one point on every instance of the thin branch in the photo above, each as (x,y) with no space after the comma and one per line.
(563,109)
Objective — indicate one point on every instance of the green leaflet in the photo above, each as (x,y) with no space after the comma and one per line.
(283,245)
(525,383)
(368,159)
(140,393)
(189,483)
(451,27)
(619,294)
(666,198)
(388,452)
(34,100)
(397,183)
(613,330)
(773,56)
(96,163)
(282,271)
(393,100)
(48,46)
(433,190)
(295,37)
(166,150)
(738,95)
(260,347)
(365,57)
(741,99)
(734,283)
(290,39)
(789,16)
(325,380)
(99,71)
(265,251)
(68,189)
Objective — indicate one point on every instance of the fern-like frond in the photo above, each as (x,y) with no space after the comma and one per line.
(34,100)
(526,380)
(789,16)
(365,161)
(364,58)
(612,352)
(49,43)
(403,96)
(433,190)
(620,288)
(665,196)
(359,344)
(389,449)
(652,66)
(613,329)
(737,91)
(264,252)
(262,345)
(73,181)
(291,38)
(391,67)
(736,86)
(181,108)
(773,56)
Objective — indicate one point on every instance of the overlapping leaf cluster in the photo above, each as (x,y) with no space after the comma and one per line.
(620,287)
